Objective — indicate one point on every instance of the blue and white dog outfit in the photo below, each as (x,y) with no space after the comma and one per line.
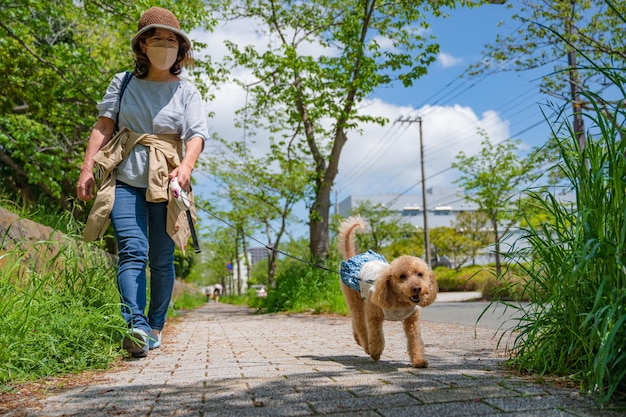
(360,272)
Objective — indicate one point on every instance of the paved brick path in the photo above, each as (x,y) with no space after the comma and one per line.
(223,360)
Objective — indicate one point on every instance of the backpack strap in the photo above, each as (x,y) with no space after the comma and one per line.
(125,82)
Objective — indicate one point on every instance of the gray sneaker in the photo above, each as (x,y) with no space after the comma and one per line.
(136,343)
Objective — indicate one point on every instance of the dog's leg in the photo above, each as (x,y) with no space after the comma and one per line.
(356,306)
(415,343)
(375,335)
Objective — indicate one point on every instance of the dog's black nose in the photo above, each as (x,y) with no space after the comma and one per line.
(417,290)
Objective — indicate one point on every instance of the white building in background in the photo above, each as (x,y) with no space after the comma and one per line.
(443,205)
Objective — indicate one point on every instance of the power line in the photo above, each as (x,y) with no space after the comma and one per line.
(443,145)
(393,200)
(374,154)
(365,163)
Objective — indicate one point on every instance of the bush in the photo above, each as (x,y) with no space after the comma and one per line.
(466,279)
(187,300)
(300,287)
(483,279)
(511,288)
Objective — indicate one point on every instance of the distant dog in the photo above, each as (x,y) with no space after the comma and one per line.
(376,290)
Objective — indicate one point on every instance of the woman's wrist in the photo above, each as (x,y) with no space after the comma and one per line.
(85,167)
(186,165)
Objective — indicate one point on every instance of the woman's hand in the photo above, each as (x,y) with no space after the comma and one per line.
(183,173)
(85,185)
(100,135)
(184,170)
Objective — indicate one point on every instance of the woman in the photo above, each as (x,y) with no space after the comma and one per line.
(157,112)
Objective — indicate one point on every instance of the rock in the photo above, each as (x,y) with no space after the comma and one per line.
(39,245)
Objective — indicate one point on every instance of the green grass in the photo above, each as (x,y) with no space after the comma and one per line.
(576,263)
(59,316)
(59,309)
(466,279)
(187,301)
(238,300)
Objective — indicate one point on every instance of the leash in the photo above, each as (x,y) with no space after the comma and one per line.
(304,261)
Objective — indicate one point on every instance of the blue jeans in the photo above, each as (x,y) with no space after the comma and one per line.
(142,239)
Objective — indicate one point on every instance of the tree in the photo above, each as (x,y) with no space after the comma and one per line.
(217,253)
(474,225)
(312,100)
(493,179)
(455,245)
(408,241)
(263,191)
(58,58)
(562,34)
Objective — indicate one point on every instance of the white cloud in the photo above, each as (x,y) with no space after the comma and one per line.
(387,159)
(384,43)
(240,32)
(446,60)
(248,32)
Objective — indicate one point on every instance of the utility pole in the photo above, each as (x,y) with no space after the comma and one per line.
(574,82)
(418,120)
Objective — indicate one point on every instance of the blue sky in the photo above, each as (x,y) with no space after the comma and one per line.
(387,159)
(462,37)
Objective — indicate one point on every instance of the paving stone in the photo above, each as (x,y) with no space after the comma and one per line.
(536,402)
(222,360)
(475,393)
(450,409)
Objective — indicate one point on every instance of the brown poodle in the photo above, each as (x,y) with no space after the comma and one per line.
(375,291)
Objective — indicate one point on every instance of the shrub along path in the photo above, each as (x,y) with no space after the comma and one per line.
(223,360)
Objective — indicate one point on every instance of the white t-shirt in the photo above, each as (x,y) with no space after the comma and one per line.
(153,107)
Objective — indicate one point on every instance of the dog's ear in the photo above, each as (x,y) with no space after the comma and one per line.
(382,295)
(433,281)
(433,290)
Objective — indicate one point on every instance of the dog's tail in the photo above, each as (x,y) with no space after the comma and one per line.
(346,240)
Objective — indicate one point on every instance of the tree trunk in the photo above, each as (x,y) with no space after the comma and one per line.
(318,224)
(497,246)
(244,244)
(320,211)
(271,257)
(271,268)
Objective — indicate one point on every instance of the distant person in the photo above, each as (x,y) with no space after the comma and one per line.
(162,130)
(217,292)
(208,292)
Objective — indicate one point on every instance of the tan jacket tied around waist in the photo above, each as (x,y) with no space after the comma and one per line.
(165,154)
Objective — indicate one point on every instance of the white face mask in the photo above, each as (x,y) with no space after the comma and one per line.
(162,57)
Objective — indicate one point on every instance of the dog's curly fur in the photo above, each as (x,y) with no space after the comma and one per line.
(406,282)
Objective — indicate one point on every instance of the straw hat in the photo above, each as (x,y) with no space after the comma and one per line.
(157,17)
